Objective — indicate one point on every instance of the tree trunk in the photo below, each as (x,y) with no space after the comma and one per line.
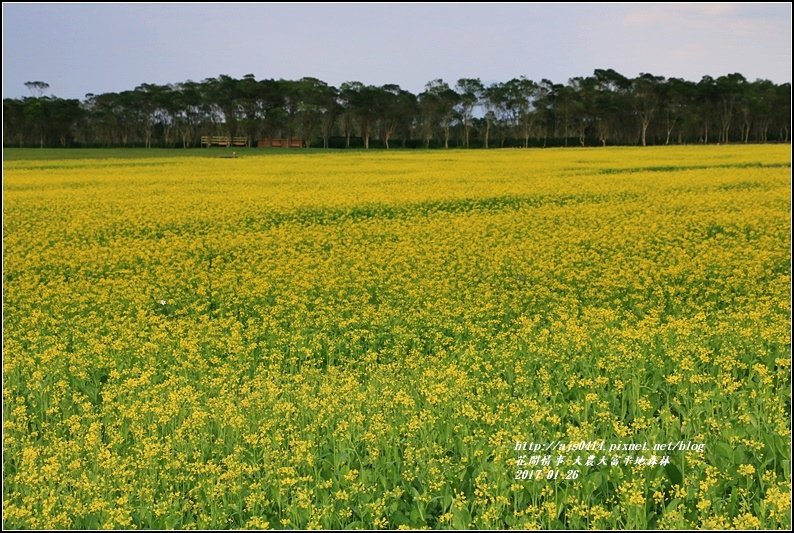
(645,131)
(566,129)
(726,128)
(487,132)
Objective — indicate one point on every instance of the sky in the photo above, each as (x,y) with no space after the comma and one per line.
(95,48)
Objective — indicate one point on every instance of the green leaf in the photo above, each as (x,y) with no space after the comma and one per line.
(724,454)
(674,474)
(460,518)
(723,450)
(672,505)
(740,455)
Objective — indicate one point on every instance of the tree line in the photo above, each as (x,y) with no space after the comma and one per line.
(606,108)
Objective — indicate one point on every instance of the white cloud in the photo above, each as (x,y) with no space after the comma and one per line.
(708,9)
(680,15)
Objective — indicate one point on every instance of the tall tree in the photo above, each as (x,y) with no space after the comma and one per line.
(611,90)
(564,101)
(37,88)
(581,92)
(438,103)
(520,100)
(469,91)
(318,109)
(647,91)
(393,106)
(37,115)
(544,108)
(491,99)
(783,108)
(730,91)
(676,104)
(706,99)
(64,114)
(13,122)
(361,100)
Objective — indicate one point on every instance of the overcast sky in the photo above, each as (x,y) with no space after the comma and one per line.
(85,48)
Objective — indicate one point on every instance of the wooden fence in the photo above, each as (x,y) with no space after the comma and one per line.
(223,140)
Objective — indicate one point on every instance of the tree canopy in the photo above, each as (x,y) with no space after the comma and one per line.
(603,109)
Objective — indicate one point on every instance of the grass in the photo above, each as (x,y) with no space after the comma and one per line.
(59,154)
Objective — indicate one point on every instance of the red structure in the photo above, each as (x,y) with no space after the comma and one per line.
(281,143)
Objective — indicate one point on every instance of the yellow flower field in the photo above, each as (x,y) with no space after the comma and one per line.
(368,340)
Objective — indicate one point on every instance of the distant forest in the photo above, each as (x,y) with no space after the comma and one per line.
(599,110)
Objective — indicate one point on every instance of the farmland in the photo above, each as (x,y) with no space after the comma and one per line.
(366,340)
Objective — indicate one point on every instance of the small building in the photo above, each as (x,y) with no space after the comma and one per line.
(281,143)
